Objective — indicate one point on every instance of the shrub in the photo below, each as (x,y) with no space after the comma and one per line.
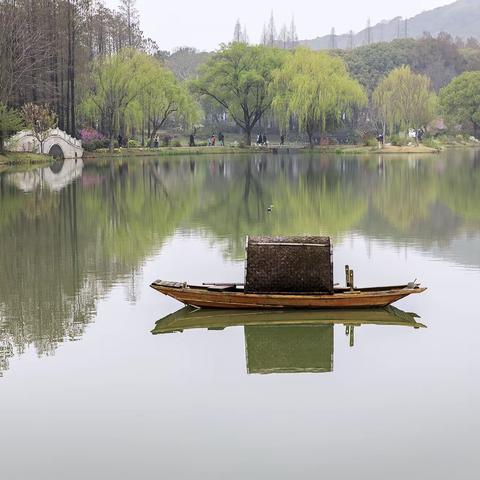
(369,140)
(96,145)
(177,143)
(398,141)
(90,135)
(133,143)
(431,143)
(167,139)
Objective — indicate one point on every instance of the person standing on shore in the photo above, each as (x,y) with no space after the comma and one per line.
(221,139)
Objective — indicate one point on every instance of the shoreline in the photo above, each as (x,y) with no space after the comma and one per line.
(386,150)
(15,160)
(172,151)
(273,149)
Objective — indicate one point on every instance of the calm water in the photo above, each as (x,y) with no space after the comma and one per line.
(87,391)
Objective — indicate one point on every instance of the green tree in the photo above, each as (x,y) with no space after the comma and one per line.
(460,100)
(40,120)
(405,99)
(117,81)
(315,87)
(239,77)
(164,98)
(10,123)
(370,63)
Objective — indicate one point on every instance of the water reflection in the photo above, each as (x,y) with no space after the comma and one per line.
(56,177)
(70,233)
(286,341)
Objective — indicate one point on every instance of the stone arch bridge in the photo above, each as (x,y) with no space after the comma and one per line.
(58,143)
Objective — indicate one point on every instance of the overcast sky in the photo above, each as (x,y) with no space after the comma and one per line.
(205,25)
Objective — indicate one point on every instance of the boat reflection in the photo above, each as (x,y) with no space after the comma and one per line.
(286,341)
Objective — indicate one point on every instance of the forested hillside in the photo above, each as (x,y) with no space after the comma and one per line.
(459,19)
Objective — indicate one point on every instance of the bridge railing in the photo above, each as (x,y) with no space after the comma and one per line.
(24,135)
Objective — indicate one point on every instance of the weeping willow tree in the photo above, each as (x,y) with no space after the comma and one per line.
(404,99)
(315,87)
(134,86)
(163,99)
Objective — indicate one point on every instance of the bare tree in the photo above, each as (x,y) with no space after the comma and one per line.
(130,13)
(368,32)
(271,31)
(333,39)
(245,38)
(293,36)
(283,37)
(351,40)
(264,38)
(237,32)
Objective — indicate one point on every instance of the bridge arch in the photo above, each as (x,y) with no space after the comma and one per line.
(56,152)
(57,141)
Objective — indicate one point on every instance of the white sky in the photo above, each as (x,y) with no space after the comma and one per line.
(205,25)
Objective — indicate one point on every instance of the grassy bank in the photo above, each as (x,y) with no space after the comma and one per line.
(387,149)
(169,151)
(14,159)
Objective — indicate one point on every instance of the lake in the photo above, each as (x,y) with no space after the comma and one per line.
(88,391)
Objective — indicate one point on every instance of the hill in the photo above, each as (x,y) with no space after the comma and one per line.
(459,19)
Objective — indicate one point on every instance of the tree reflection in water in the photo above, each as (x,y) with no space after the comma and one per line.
(63,249)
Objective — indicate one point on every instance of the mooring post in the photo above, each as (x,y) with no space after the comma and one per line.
(347,275)
(352,336)
(352,287)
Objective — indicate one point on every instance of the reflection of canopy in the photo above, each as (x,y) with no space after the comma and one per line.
(285,341)
(286,349)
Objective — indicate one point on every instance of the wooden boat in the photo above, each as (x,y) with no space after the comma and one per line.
(233,296)
(189,318)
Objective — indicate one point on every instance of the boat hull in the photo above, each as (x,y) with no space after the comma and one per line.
(203,297)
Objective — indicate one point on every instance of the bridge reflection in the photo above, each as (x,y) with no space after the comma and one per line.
(55,177)
(286,341)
